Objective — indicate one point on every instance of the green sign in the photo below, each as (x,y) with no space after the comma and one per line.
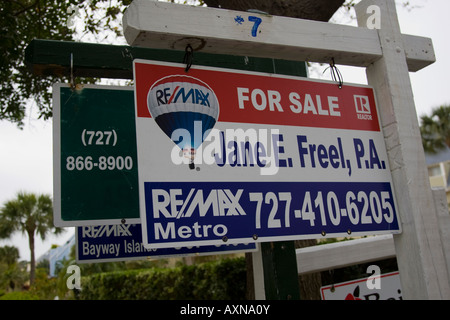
(95,157)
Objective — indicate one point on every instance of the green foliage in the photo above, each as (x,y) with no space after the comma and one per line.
(19,295)
(44,288)
(435,129)
(30,214)
(9,255)
(24,20)
(20,22)
(221,279)
(13,273)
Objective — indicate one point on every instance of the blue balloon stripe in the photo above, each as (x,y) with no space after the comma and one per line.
(169,122)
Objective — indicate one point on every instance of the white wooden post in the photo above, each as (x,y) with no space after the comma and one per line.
(420,255)
(440,201)
(258,274)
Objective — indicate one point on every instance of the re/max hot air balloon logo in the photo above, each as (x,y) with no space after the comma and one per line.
(186,109)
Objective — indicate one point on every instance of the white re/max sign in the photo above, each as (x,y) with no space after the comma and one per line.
(388,288)
(318,148)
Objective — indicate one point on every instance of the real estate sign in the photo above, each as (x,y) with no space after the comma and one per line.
(94,156)
(228,156)
(123,242)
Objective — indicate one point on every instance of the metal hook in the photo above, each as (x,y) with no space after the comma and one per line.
(188,57)
(336,74)
(72,83)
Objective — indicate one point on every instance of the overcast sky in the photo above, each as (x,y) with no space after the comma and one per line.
(26,155)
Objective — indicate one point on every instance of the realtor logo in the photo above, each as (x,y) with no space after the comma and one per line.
(362,107)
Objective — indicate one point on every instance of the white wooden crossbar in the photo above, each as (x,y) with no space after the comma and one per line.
(344,254)
(164,25)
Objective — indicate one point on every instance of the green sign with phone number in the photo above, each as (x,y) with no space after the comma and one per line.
(95,156)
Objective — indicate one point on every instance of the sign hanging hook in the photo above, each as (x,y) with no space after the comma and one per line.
(72,84)
(188,57)
(335,74)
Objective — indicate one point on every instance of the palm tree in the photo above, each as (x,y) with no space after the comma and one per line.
(9,255)
(435,129)
(12,272)
(30,214)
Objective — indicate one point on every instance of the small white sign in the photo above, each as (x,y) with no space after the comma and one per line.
(376,287)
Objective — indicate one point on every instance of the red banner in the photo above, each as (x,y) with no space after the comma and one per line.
(271,99)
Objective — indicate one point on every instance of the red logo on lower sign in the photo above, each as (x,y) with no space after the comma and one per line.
(354,296)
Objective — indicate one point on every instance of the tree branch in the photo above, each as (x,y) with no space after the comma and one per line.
(320,10)
(31,6)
